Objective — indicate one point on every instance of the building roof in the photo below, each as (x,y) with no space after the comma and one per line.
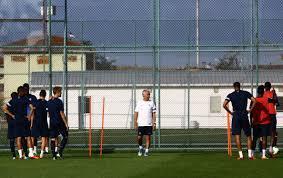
(167,78)
(37,41)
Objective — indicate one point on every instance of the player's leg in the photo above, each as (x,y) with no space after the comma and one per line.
(245,124)
(24,145)
(34,145)
(19,145)
(273,140)
(147,144)
(140,139)
(12,147)
(148,136)
(43,143)
(265,133)
(53,145)
(64,141)
(236,132)
(256,136)
(54,132)
(11,136)
(30,147)
(264,145)
(46,149)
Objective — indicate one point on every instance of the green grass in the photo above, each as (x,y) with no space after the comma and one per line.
(115,165)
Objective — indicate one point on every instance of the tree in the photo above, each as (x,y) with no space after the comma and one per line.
(96,61)
(229,61)
(102,63)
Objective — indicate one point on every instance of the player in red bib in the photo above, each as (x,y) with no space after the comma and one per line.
(272,102)
(261,120)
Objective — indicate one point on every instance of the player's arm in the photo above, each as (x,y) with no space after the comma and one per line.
(154,120)
(136,119)
(29,117)
(225,106)
(253,103)
(32,117)
(6,111)
(64,118)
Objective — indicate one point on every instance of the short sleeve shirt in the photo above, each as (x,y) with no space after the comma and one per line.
(239,100)
(145,110)
(55,106)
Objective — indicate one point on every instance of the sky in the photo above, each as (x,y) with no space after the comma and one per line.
(129,22)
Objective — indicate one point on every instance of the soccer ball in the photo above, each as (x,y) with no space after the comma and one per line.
(275,150)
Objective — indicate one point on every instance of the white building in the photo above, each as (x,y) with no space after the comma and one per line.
(205,91)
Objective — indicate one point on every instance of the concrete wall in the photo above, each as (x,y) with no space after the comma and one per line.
(174,108)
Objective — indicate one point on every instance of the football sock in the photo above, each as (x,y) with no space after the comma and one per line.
(263,152)
(250,153)
(270,149)
(20,153)
(53,148)
(30,152)
(241,154)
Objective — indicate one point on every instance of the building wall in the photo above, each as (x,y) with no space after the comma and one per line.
(174,108)
(17,73)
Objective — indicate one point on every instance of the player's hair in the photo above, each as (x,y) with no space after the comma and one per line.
(267,85)
(42,93)
(146,90)
(57,90)
(237,85)
(14,94)
(260,90)
(26,85)
(21,90)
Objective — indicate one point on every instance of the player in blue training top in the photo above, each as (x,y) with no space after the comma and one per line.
(33,101)
(11,124)
(39,125)
(240,120)
(58,122)
(19,107)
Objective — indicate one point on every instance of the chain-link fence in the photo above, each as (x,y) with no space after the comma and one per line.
(187,52)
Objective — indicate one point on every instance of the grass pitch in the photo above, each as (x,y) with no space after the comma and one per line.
(157,165)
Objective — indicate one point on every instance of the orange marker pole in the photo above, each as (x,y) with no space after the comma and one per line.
(89,131)
(102,128)
(229,145)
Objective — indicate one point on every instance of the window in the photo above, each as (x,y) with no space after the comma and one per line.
(72,58)
(42,59)
(18,58)
(215,104)
(280,107)
(86,104)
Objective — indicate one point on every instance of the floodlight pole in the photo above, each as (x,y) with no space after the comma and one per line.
(65,72)
(197,33)
(49,47)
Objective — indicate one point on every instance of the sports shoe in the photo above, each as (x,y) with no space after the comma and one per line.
(41,156)
(240,158)
(140,153)
(145,154)
(54,158)
(13,158)
(264,158)
(252,158)
(34,157)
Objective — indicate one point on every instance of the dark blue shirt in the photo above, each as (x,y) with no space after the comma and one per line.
(33,101)
(239,100)
(40,113)
(55,106)
(10,109)
(19,107)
